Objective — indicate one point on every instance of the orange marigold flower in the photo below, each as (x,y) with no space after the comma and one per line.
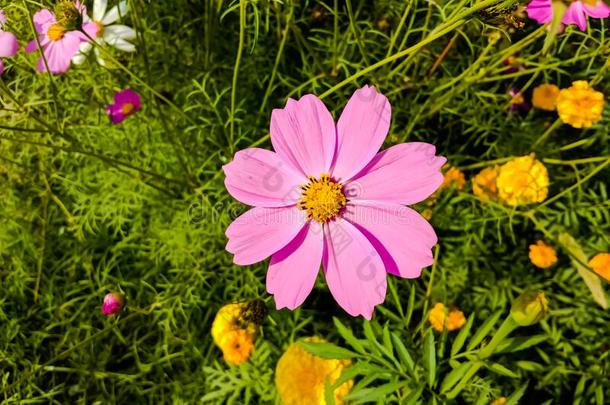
(545,97)
(600,263)
(523,180)
(542,255)
(580,105)
(300,376)
(453,177)
(484,183)
(237,346)
(440,318)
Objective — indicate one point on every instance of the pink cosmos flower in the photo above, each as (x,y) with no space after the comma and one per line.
(112,305)
(327,196)
(58,44)
(8,43)
(577,12)
(126,102)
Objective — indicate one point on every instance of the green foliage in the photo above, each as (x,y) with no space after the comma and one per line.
(87,207)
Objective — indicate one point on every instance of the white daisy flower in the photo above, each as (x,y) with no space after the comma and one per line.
(103,30)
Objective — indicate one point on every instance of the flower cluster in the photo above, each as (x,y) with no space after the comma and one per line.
(68,34)
(520,181)
(441,318)
(578,105)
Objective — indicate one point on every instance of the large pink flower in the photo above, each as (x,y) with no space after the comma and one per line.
(58,44)
(577,12)
(327,196)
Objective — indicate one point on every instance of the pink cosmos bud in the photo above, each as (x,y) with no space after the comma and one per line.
(113,303)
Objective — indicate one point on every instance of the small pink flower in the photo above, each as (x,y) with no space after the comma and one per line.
(58,44)
(577,12)
(112,305)
(8,47)
(126,102)
(327,196)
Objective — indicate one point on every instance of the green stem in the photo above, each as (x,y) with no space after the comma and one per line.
(240,49)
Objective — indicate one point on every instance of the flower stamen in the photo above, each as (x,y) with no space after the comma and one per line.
(56,32)
(127,108)
(322,198)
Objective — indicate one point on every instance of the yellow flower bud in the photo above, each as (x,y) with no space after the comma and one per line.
(529,308)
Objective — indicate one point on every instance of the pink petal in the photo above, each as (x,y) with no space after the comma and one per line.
(41,18)
(261,178)
(354,271)
(600,10)
(261,232)
(1,67)
(403,238)
(293,270)
(576,15)
(540,10)
(8,44)
(406,173)
(91,28)
(361,130)
(303,134)
(31,46)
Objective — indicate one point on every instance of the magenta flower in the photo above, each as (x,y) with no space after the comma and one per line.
(577,12)
(8,43)
(58,44)
(112,305)
(327,196)
(126,102)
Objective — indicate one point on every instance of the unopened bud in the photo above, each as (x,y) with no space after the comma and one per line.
(529,308)
(113,303)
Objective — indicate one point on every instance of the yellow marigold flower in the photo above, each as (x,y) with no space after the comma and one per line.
(484,183)
(440,318)
(499,401)
(600,263)
(545,97)
(453,177)
(232,335)
(542,255)
(237,346)
(300,376)
(523,180)
(580,105)
(225,321)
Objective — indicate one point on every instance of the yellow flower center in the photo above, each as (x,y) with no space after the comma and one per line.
(588,2)
(127,108)
(56,32)
(322,198)
(100,28)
